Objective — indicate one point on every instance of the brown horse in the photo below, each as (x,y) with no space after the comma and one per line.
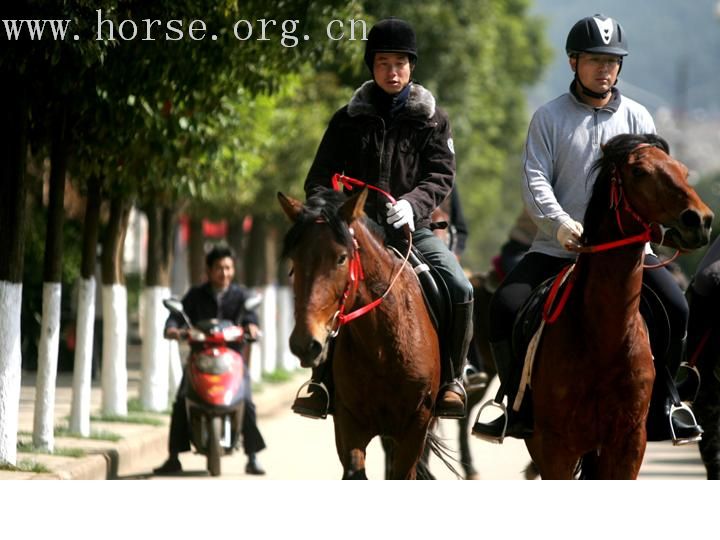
(386,363)
(593,373)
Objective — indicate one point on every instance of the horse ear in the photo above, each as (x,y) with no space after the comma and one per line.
(291,207)
(353,207)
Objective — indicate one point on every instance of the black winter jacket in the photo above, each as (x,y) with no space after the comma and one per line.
(412,158)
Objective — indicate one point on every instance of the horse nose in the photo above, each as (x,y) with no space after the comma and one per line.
(691,219)
(306,350)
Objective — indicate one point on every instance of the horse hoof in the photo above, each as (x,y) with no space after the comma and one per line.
(531,471)
(473,476)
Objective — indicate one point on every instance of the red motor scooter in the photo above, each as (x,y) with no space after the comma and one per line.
(217,385)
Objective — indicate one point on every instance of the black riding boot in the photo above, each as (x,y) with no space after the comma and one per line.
(316,402)
(451,402)
(510,423)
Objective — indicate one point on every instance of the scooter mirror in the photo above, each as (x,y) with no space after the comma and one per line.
(173,304)
(253,301)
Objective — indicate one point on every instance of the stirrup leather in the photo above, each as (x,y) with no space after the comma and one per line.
(503,409)
(684,410)
(311,386)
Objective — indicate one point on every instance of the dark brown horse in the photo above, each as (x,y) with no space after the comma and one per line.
(593,373)
(386,363)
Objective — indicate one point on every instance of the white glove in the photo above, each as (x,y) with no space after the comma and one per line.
(569,233)
(399,214)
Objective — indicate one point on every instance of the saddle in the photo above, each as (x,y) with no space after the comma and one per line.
(434,290)
(528,320)
(664,396)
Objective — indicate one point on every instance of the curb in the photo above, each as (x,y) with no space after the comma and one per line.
(140,443)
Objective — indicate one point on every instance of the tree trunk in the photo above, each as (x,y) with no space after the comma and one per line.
(114,299)
(13,151)
(255,259)
(236,240)
(196,252)
(156,351)
(82,370)
(44,420)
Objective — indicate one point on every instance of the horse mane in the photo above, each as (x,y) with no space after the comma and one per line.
(324,207)
(615,153)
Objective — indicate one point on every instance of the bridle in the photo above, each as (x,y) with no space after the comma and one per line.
(355,269)
(622,204)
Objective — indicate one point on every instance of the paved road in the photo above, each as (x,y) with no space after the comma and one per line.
(304,449)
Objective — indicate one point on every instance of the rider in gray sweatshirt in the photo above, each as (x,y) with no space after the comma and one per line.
(564,140)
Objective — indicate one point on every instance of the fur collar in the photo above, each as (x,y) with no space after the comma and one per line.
(420,101)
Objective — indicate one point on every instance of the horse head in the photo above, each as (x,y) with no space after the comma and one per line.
(320,246)
(656,190)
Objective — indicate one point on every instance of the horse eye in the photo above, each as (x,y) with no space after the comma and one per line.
(342,258)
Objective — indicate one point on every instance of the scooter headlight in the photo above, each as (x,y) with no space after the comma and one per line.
(214,364)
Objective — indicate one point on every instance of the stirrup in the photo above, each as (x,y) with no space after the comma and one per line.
(685,409)
(309,413)
(483,436)
(688,387)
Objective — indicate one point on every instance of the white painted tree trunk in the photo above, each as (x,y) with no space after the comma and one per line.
(269,324)
(155,379)
(10,369)
(176,370)
(82,368)
(44,419)
(114,357)
(286,322)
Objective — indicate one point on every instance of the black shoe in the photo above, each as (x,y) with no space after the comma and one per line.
(314,405)
(451,401)
(492,431)
(254,467)
(170,467)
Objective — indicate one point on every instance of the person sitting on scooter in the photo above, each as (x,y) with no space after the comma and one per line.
(217,298)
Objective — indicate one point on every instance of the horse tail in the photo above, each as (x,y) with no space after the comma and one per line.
(442,451)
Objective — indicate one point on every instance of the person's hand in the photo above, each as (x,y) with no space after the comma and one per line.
(254,331)
(569,234)
(399,214)
(172,333)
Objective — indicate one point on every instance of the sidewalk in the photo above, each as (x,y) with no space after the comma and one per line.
(106,459)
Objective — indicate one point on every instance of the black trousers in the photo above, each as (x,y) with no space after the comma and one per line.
(179,440)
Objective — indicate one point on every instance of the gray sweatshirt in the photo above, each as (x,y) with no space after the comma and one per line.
(562,144)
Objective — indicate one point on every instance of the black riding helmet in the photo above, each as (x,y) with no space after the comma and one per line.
(390,35)
(597,34)
(600,35)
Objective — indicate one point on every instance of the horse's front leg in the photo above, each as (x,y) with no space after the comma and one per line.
(351,441)
(409,449)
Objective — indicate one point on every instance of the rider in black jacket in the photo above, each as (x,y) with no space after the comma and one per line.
(392,135)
